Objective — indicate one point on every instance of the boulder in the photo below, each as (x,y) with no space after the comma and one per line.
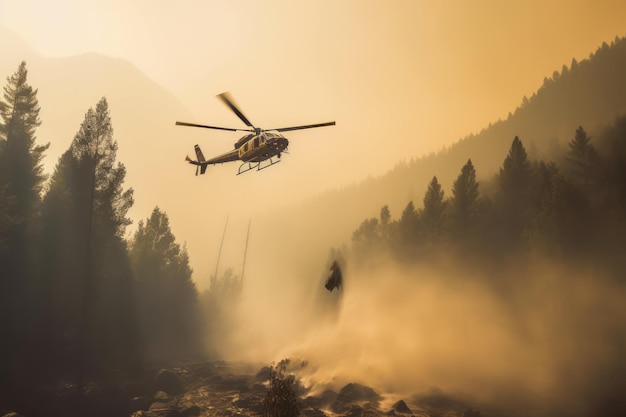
(401,407)
(322,400)
(168,381)
(352,397)
(356,392)
(162,397)
(158,409)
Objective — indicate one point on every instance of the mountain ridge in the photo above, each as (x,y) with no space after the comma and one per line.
(590,93)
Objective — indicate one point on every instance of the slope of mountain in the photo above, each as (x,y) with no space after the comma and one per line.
(142,113)
(590,93)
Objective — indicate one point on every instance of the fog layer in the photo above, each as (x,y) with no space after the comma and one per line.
(536,335)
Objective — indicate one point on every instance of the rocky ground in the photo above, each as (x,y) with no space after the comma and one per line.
(237,389)
(231,389)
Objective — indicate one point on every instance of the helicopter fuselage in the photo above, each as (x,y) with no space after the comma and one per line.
(262,146)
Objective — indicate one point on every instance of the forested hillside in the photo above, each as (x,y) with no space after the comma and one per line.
(569,210)
(590,93)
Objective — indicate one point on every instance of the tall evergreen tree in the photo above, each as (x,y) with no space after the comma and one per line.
(433,214)
(408,224)
(108,292)
(21,170)
(513,197)
(581,159)
(21,180)
(464,203)
(89,272)
(166,295)
(406,233)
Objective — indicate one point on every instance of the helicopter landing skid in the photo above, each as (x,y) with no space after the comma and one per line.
(248,166)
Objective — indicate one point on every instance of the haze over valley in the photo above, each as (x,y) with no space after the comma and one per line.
(472,193)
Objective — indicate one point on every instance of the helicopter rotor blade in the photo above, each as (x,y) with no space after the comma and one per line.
(228,100)
(287,129)
(230,129)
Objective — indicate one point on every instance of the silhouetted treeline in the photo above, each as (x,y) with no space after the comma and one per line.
(573,208)
(79,304)
(589,92)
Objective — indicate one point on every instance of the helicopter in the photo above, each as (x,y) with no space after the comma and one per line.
(259,149)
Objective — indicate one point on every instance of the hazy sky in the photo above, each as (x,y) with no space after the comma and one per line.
(410,75)
(401,79)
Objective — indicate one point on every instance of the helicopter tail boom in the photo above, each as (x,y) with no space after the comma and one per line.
(200,162)
(199,154)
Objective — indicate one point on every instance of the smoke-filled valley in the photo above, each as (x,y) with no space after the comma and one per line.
(503,295)
(532,337)
(484,279)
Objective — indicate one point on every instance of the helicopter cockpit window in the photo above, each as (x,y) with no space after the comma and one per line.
(256,142)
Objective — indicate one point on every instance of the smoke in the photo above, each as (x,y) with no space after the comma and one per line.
(537,337)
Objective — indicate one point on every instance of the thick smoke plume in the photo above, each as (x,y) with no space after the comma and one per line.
(536,338)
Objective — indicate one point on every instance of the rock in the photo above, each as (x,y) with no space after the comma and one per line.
(352,397)
(161,396)
(357,392)
(401,407)
(158,409)
(323,400)
(168,381)
(11,414)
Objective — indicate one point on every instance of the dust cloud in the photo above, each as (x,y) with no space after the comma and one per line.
(537,338)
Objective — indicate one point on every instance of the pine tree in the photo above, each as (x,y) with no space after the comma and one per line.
(513,197)
(21,170)
(95,150)
(406,233)
(581,159)
(21,181)
(166,295)
(408,224)
(433,214)
(85,211)
(464,203)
